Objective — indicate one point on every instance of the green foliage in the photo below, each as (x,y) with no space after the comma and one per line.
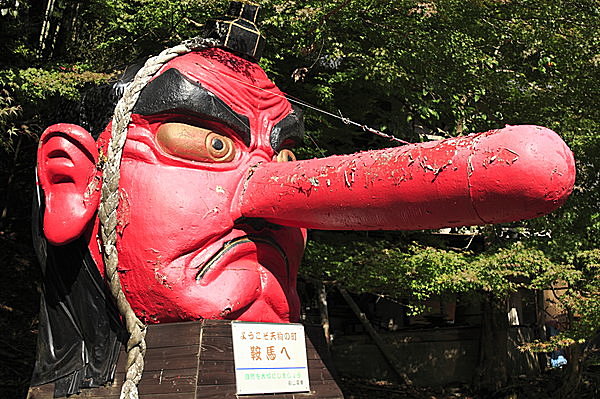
(581,300)
(418,272)
(31,95)
(397,269)
(36,84)
(444,67)
(379,266)
(114,33)
(555,342)
(79,45)
(14,31)
(9,112)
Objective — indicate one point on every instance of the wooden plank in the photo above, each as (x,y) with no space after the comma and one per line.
(186,395)
(41,392)
(319,349)
(318,390)
(318,372)
(170,384)
(176,357)
(165,381)
(216,348)
(311,352)
(95,393)
(215,372)
(111,391)
(225,365)
(228,392)
(216,392)
(173,334)
(217,328)
(170,389)
(388,354)
(47,392)
(329,391)
(168,381)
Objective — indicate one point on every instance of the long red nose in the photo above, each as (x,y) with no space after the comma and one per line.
(519,172)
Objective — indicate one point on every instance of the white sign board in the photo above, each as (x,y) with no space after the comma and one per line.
(269,357)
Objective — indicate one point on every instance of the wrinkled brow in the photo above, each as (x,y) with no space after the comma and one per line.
(172,91)
(289,131)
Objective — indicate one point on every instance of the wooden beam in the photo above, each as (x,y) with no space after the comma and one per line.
(383,348)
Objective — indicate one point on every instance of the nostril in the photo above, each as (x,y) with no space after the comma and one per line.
(257,224)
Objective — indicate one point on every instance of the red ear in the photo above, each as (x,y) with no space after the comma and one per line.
(68,176)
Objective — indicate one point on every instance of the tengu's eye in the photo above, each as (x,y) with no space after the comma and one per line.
(220,148)
(194,143)
(286,156)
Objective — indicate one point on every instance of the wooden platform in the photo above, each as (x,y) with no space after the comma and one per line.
(195,360)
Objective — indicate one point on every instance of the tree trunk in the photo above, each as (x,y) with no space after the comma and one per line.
(573,371)
(43,39)
(492,372)
(540,327)
(322,299)
(66,28)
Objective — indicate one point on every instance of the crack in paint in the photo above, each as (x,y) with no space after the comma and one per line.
(439,170)
(251,171)
(470,170)
(123,212)
(512,152)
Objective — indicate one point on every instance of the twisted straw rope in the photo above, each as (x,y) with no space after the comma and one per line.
(136,345)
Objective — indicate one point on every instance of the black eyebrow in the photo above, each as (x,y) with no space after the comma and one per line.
(289,132)
(172,91)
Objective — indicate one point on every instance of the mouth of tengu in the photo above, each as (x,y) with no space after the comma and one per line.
(230,247)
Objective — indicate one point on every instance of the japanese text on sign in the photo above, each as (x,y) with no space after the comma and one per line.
(269,358)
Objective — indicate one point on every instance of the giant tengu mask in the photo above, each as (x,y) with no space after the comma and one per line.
(213,207)
(187,252)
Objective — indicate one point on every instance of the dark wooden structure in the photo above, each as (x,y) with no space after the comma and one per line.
(194,360)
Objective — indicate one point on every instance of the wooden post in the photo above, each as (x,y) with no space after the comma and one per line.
(385,351)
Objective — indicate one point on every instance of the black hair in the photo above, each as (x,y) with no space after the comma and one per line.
(97,104)
(80,331)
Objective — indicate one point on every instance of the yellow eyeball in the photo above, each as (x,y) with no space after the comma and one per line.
(194,143)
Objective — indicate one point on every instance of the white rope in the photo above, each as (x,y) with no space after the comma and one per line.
(136,345)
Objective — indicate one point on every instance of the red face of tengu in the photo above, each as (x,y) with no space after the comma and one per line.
(185,252)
